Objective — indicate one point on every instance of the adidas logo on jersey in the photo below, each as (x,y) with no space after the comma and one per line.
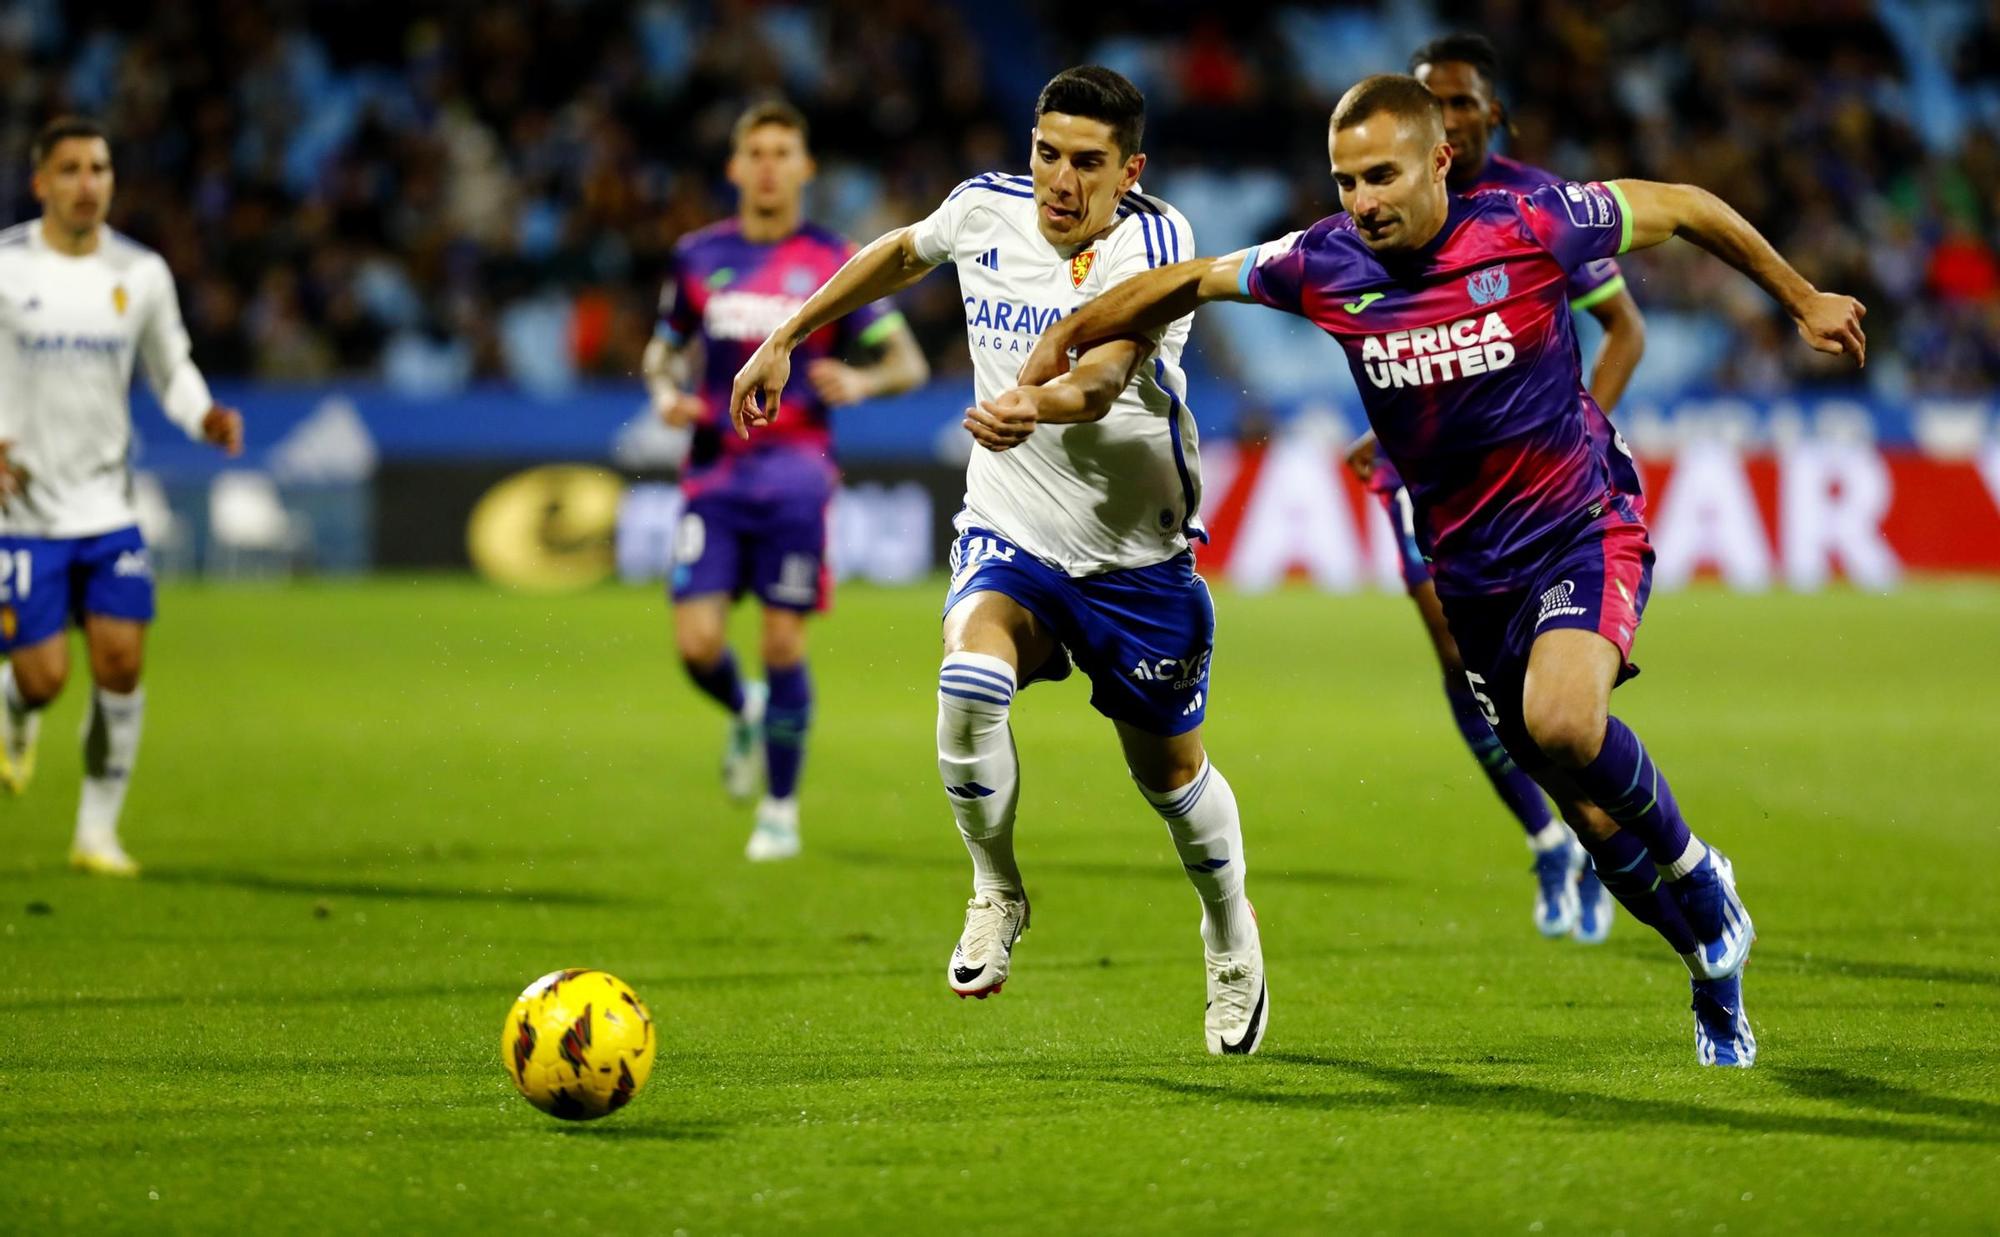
(1425,355)
(990,259)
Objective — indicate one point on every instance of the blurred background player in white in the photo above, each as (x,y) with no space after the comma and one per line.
(78,303)
(756,512)
(1074,540)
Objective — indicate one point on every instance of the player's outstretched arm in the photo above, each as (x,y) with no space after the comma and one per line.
(1139,305)
(166,355)
(901,367)
(887,264)
(1085,393)
(1655,212)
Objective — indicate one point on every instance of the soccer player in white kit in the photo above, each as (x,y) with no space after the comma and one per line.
(1074,541)
(78,303)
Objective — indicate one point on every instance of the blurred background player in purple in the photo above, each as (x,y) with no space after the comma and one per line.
(1462,70)
(755,519)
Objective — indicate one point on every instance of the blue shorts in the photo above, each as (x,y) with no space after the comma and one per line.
(1599,583)
(48,582)
(732,543)
(1144,635)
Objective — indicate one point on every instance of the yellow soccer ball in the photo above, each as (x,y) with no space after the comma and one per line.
(578,1044)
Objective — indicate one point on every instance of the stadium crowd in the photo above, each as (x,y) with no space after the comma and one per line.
(437,193)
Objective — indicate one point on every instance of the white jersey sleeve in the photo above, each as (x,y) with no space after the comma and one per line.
(937,233)
(165,352)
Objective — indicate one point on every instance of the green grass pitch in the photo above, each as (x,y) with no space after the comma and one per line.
(372,813)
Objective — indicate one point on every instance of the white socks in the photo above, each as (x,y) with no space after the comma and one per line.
(110,747)
(17,708)
(1208,834)
(980,771)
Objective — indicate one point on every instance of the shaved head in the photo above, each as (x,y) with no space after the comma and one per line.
(1395,95)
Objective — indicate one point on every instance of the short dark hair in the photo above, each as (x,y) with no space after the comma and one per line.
(61,129)
(1101,94)
(1396,94)
(1462,47)
(769,112)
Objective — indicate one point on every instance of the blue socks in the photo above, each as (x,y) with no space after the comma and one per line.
(787,715)
(720,682)
(1515,788)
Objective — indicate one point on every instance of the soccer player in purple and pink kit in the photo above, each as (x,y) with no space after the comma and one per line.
(1454,315)
(755,519)
(1461,70)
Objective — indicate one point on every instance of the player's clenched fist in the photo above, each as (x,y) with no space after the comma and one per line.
(1832,323)
(222,427)
(998,424)
(754,398)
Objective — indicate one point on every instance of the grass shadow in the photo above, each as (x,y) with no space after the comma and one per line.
(1410,1086)
(263,882)
(630,1130)
(1917,972)
(1861,1091)
(1116,870)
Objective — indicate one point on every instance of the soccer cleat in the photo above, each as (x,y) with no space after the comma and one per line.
(980,960)
(1721,1029)
(1239,1002)
(1709,903)
(17,749)
(103,859)
(743,750)
(1594,907)
(1555,872)
(776,835)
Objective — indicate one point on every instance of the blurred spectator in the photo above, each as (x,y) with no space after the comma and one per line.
(435,193)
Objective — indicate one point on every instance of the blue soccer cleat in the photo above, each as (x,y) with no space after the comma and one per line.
(1594,907)
(1709,903)
(1721,1029)
(1555,888)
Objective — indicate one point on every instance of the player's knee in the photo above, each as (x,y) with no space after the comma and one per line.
(40,682)
(1569,730)
(117,672)
(699,647)
(783,647)
(975,693)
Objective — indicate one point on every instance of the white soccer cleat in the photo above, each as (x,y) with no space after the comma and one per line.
(103,858)
(979,962)
(743,748)
(1239,1004)
(17,749)
(777,833)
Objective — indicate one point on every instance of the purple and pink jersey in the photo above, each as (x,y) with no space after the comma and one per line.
(1590,284)
(731,293)
(1466,359)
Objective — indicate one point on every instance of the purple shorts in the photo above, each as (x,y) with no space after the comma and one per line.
(732,543)
(1598,583)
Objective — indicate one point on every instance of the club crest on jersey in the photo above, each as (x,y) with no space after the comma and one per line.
(1079,267)
(799,282)
(120,301)
(1487,286)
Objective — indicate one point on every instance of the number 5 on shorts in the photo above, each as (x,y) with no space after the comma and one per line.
(1477,681)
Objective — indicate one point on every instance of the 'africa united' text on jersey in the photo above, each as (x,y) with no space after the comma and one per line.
(1121,492)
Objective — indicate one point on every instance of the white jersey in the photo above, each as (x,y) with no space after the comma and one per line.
(1099,496)
(70,329)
